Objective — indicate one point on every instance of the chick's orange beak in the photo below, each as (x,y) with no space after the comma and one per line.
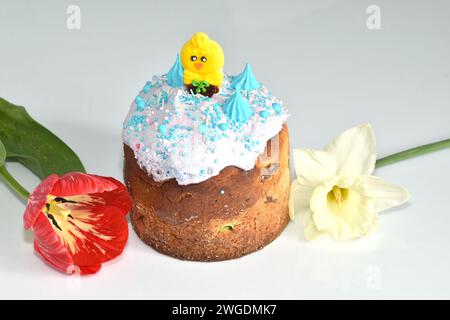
(198,65)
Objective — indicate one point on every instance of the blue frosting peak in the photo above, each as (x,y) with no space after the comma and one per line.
(175,74)
(245,80)
(237,108)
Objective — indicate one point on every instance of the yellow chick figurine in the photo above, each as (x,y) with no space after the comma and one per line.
(202,59)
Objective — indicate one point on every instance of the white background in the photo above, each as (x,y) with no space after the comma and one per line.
(331,71)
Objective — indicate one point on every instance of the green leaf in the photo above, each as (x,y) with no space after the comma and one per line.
(2,153)
(29,143)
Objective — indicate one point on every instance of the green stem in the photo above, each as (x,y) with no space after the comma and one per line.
(414,152)
(13,184)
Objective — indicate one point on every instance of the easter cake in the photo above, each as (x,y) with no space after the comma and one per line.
(206,159)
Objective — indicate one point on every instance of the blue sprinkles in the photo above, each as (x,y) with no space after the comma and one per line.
(277,108)
(202,129)
(264,114)
(162,128)
(147,87)
(140,105)
(223,126)
(137,121)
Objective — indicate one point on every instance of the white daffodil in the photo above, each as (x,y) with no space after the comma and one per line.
(335,190)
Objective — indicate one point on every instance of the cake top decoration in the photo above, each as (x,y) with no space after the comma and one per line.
(203,60)
(245,80)
(237,108)
(190,131)
(175,74)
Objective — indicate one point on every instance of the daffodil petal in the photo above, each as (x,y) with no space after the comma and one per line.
(355,151)
(355,219)
(313,166)
(384,195)
(309,228)
(299,199)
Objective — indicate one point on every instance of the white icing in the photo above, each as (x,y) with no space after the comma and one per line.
(192,156)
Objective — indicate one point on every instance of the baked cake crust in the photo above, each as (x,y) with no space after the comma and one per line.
(224,217)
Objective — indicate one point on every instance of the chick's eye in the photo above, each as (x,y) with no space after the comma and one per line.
(193,58)
(203,59)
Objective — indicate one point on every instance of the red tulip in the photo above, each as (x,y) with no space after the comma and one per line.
(79,221)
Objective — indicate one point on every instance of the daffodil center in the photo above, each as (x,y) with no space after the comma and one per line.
(338,196)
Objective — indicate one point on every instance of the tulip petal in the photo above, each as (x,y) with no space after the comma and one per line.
(313,167)
(92,231)
(118,197)
(50,246)
(37,200)
(384,195)
(355,218)
(299,199)
(309,228)
(355,151)
(75,183)
(85,270)
(105,240)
